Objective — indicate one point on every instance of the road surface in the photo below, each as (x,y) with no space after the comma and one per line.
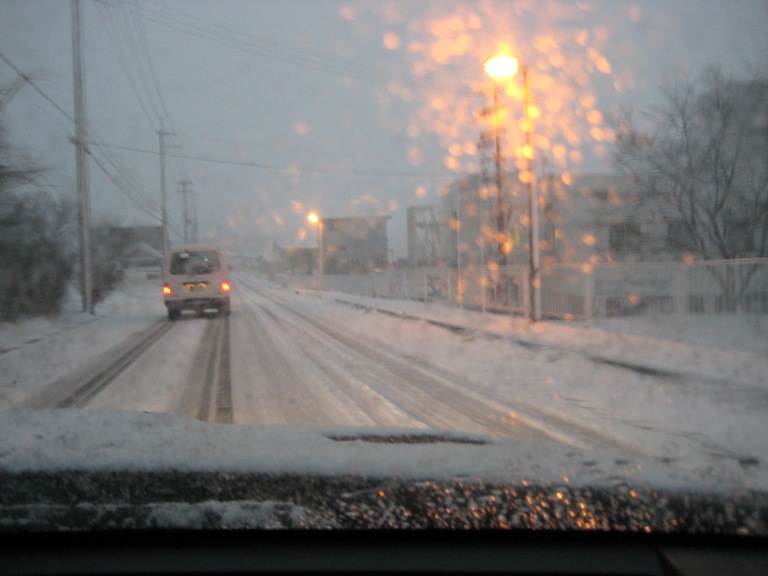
(274,362)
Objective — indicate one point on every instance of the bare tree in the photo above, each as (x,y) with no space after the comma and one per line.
(702,163)
(35,261)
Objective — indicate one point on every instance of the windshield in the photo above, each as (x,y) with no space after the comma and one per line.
(203,262)
(458,256)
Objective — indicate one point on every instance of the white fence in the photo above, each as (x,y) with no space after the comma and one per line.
(573,290)
(675,288)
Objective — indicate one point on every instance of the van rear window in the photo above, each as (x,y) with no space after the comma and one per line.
(191,262)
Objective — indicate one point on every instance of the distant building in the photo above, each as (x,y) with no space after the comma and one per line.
(468,207)
(597,218)
(354,244)
(133,252)
(136,246)
(426,235)
(141,255)
(152,236)
(272,260)
(301,261)
(582,218)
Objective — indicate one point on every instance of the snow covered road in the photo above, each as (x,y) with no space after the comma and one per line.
(284,364)
(285,357)
(292,367)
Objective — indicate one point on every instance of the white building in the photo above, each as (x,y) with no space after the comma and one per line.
(354,244)
(582,218)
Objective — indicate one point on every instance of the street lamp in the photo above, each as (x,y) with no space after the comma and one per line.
(499,68)
(313,218)
(502,68)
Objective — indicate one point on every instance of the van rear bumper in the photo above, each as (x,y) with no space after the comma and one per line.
(197,304)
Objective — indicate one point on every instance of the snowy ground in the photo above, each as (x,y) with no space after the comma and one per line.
(692,391)
(689,391)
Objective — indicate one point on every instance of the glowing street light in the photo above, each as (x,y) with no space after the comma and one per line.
(501,67)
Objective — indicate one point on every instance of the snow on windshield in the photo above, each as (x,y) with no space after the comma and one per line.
(529,223)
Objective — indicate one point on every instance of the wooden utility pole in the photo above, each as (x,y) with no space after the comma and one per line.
(163,211)
(533,207)
(501,208)
(84,201)
(185,209)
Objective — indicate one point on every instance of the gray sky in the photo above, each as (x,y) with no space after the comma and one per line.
(345,107)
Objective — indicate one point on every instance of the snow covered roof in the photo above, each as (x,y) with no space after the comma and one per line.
(140,250)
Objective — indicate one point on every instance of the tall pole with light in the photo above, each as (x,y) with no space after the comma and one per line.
(499,68)
(502,68)
(313,218)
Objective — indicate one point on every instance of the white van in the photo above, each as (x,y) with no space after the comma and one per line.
(196,277)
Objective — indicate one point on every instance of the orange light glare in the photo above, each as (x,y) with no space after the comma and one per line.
(167,290)
(501,67)
(528,151)
(225,286)
(314,218)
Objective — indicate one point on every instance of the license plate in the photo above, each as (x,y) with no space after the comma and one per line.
(199,287)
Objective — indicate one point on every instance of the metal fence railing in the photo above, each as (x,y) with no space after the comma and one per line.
(574,290)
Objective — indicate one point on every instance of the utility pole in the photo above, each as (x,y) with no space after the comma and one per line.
(194,222)
(185,209)
(533,207)
(84,201)
(164,213)
(492,140)
(501,215)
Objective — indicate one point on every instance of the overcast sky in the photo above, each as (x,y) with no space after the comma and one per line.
(275,108)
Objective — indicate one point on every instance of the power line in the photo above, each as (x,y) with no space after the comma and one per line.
(37,89)
(233,38)
(246,42)
(149,213)
(130,41)
(135,30)
(287,167)
(92,142)
(143,42)
(145,202)
(117,38)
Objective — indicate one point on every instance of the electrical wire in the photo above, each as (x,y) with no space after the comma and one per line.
(37,89)
(93,142)
(227,36)
(118,42)
(143,42)
(129,36)
(131,43)
(287,167)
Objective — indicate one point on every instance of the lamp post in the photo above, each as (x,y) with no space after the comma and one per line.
(501,68)
(316,220)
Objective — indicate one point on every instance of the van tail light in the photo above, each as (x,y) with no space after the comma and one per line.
(167,290)
(225,286)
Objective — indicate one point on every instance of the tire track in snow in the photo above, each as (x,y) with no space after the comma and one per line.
(77,389)
(421,394)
